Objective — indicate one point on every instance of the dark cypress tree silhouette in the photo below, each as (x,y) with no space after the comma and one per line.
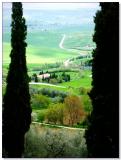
(102,135)
(16,101)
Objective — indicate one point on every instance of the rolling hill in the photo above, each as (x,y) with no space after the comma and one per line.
(45,32)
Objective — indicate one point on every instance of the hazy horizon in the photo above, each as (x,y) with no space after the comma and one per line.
(46,28)
(49,15)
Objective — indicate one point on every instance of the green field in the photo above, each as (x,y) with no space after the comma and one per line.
(43,47)
(79,40)
(40,54)
(84,82)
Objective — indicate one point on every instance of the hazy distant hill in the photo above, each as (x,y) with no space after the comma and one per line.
(45,31)
(53,19)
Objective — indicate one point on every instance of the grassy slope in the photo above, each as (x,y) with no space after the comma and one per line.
(84,82)
(39,54)
(78,40)
(43,47)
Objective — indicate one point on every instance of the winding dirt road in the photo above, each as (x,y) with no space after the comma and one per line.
(66,63)
(61,42)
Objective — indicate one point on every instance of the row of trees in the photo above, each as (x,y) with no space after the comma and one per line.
(69,112)
(51,78)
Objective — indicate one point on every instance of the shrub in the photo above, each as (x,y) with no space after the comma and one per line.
(41,116)
(82,91)
(34,91)
(40,101)
(55,144)
(45,91)
(87,103)
(55,113)
(51,143)
(51,115)
(57,99)
(34,144)
(53,93)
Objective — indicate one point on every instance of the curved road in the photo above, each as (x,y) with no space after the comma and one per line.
(61,42)
(66,63)
(71,50)
(61,46)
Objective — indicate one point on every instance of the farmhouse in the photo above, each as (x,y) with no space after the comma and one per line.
(46,75)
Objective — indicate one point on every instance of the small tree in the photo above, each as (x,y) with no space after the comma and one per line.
(35,77)
(51,115)
(16,101)
(73,109)
(43,79)
(53,75)
(60,112)
(56,113)
(41,72)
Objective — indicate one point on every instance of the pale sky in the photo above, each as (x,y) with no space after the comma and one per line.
(56,6)
(59,6)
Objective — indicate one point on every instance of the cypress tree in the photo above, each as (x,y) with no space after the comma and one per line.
(36,78)
(102,135)
(16,101)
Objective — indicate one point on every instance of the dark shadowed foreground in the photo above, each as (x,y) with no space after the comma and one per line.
(16,101)
(102,136)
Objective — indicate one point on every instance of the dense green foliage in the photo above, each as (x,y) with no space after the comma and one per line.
(102,136)
(39,101)
(70,110)
(16,101)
